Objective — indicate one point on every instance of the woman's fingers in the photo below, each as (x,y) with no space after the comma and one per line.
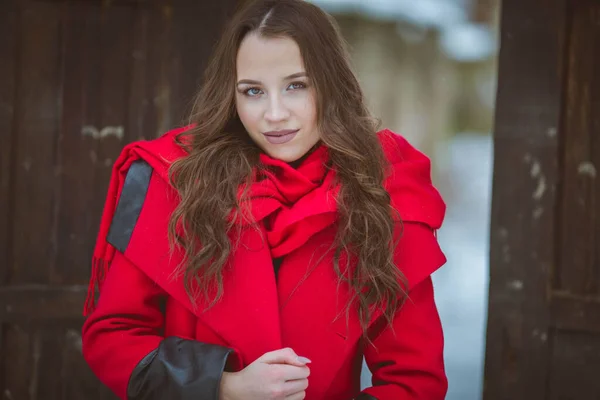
(284,356)
(291,372)
(295,387)
(296,396)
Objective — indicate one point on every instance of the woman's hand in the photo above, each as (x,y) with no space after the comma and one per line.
(277,375)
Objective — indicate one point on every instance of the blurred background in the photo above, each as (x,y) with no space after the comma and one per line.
(503,96)
(428,69)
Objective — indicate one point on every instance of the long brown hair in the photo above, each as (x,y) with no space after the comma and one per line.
(221,157)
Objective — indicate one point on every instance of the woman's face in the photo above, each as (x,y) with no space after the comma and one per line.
(275,99)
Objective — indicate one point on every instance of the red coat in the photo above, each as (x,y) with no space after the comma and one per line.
(259,314)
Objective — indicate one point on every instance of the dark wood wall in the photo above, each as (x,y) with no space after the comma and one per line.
(78,80)
(543,339)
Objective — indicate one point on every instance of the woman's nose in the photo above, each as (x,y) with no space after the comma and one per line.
(277,111)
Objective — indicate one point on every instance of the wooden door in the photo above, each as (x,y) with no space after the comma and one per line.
(78,80)
(543,339)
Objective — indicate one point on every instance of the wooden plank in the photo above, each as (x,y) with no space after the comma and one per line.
(38,116)
(150,94)
(47,364)
(575,366)
(594,275)
(8,91)
(575,313)
(78,223)
(140,101)
(524,184)
(26,303)
(9,78)
(190,52)
(579,271)
(22,350)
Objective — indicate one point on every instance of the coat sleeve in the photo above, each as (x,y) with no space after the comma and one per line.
(406,359)
(124,346)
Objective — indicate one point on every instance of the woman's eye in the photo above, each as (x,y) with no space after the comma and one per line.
(252,91)
(297,85)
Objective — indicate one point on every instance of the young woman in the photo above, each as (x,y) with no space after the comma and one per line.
(262,251)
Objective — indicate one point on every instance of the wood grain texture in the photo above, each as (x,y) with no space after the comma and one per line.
(523,219)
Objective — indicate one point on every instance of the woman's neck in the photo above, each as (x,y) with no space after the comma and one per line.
(298,162)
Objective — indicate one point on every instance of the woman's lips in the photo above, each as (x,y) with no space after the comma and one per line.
(280,137)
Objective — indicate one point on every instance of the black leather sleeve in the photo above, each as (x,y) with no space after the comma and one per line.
(179,369)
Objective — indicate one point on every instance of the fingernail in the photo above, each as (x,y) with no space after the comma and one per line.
(303,360)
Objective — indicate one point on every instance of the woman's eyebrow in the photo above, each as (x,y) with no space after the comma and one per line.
(248,81)
(253,82)
(296,75)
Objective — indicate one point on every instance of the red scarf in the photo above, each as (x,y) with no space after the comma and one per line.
(296,203)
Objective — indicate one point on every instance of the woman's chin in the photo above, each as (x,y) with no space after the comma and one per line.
(284,153)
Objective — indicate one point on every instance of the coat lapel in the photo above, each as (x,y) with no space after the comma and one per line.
(247,316)
(313,321)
